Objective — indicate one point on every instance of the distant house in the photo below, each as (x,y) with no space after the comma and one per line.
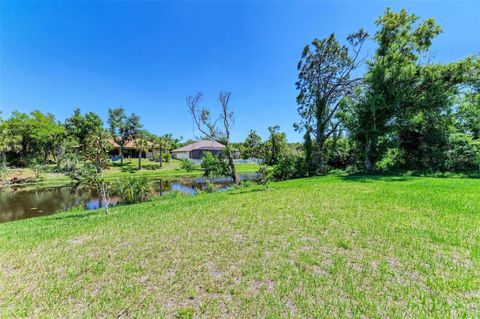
(130,150)
(197,150)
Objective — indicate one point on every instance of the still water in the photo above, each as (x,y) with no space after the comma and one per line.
(19,204)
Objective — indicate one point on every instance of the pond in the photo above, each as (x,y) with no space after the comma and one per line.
(19,204)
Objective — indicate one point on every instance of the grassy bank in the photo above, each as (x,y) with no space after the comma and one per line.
(320,247)
(150,169)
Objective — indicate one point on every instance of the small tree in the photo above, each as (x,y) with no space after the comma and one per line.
(214,166)
(264,175)
(95,181)
(96,149)
(210,129)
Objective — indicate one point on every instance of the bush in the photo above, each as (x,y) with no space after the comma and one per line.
(133,189)
(167,157)
(290,166)
(188,165)
(214,166)
(264,175)
(463,153)
(209,188)
(340,153)
(389,161)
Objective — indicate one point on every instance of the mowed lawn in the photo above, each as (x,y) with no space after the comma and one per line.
(319,247)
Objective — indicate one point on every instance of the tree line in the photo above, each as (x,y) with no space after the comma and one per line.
(405,112)
(28,139)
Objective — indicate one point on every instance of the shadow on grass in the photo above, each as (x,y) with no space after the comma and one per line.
(237,192)
(374,178)
(77,216)
(400,176)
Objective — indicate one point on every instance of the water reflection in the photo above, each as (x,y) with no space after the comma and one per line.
(19,204)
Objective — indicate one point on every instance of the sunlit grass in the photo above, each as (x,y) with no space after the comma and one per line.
(320,247)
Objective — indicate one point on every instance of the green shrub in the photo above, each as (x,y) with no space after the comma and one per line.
(264,175)
(167,157)
(133,189)
(209,188)
(214,166)
(389,160)
(339,152)
(463,153)
(188,165)
(290,166)
(246,184)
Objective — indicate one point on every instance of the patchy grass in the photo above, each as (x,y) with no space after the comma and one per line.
(320,247)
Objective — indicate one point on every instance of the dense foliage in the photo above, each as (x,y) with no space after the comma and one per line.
(405,113)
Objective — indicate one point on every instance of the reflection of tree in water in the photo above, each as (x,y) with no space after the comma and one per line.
(18,204)
(24,204)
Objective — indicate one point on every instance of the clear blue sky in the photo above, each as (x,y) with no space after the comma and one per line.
(148,56)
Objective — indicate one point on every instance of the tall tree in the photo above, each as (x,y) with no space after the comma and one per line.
(82,126)
(324,79)
(219,133)
(252,147)
(468,113)
(308,148)
(406,100)
(275,146)
(9,142)
(123,128)
(46,132)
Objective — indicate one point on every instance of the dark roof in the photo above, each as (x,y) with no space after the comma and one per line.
(201,145)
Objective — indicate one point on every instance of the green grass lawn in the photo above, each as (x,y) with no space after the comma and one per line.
(321,247)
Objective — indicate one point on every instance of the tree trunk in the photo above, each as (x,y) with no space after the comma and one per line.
(231,162)
(320,136)
(121,155)
(369,165)
(3,160)
(161,157)
(59,155)
(139,160)
(45,156)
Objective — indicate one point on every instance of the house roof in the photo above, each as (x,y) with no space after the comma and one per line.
(200,145)
(128,145)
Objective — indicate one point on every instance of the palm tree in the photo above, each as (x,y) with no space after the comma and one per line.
(142,145)
(162,143)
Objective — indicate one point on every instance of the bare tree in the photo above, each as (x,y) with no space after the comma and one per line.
(211,130)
